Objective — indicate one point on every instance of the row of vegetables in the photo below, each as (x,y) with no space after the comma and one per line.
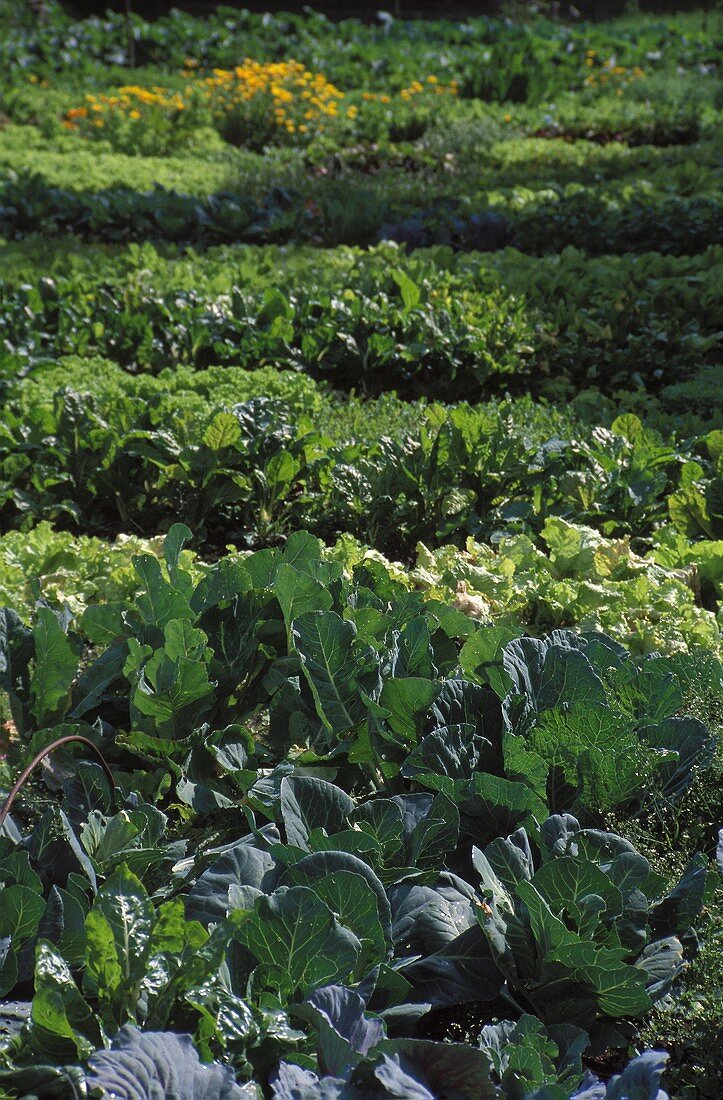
(106,461)
(628,218)
(431,323)
(490,58)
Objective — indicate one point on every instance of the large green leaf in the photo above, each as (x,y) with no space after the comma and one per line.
(434,836)
(173,544)
(481,657)
(223,431)
(505,861)
(408,700)
(298,593)
(308,804)
(325,644)
(149,1065)
(118,930)
(413,653)
(465,737)
(462,970)
(423,1068)
(63,1025)
(246,863)
(678,911)
(319,865)
(595,750)
(493,806)
(95,681)
(553,670)
(345,1032)
(172,681)
(662,962)
(354,904)
(55,666)
(161,601)
(619,988)
(224,582)
(382,820)
(297,942)
(689,746)
(21,908)
(567,884)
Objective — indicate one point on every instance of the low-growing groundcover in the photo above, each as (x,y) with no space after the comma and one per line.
(361,558)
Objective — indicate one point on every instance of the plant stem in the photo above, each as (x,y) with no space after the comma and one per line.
(7,805)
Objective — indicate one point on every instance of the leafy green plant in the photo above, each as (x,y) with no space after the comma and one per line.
(697,506)
(352,810)
(590,887)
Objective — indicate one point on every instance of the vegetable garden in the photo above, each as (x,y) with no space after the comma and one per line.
(361,565)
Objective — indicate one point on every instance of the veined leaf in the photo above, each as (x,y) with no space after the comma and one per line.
(244,864)
(55,666)
(297,942)
(565,883)
(21,908)
(173,545)
(62,1021)
(299,593)
(118,930)
(408,700)
(353,903)
(160,602)
(308,804)
(345,1032)
(324,642)
(223,431)
(148,1065)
